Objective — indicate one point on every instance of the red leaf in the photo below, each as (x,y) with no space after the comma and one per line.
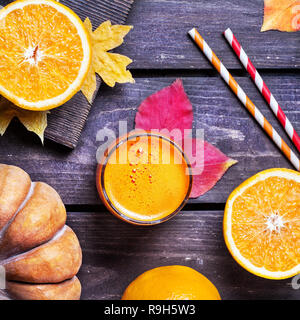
(168,109)
(208,164)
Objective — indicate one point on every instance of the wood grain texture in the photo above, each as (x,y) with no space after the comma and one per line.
(152,31)
(227,125)
(159,39)
(101,10)
(65,124)
(115,253)
(155,27)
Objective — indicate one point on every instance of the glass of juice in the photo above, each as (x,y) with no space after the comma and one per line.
(144,178)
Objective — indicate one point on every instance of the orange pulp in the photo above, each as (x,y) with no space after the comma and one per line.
(146,179)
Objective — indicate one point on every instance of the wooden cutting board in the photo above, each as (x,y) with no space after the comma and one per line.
(66,123)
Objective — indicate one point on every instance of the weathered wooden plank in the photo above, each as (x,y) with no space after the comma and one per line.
(159,39)
(226,124)
(99,11)
(65,124)
(115,253)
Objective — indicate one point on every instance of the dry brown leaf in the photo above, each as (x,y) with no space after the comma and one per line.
(111,67)
(283,15)
(35,121)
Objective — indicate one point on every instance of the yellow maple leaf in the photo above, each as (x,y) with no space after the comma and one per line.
(283,15)
(35,121)
(111,67)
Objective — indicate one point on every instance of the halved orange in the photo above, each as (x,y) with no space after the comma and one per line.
(45,53)
(262,224)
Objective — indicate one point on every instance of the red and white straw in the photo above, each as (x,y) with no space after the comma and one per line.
(240,93)
(261,85)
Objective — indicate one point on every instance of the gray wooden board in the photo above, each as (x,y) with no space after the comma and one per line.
(115,253)
(268,50)
(227,125)
(159,39)
(65,124)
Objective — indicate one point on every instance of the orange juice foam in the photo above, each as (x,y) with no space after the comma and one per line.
(147,179)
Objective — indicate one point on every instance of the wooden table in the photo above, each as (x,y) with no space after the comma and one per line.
(114,253)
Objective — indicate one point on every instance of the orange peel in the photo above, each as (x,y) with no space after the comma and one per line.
(262,224)
(45,54)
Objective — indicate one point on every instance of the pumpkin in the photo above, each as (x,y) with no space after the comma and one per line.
(41,255)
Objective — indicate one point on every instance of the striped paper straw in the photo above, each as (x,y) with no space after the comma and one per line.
(263,88)
(239,92)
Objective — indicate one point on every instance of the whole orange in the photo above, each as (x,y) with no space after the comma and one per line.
(171,283)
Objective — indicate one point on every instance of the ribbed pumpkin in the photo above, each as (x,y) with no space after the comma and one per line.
(40,254)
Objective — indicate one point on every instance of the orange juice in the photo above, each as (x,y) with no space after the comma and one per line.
(144,178)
